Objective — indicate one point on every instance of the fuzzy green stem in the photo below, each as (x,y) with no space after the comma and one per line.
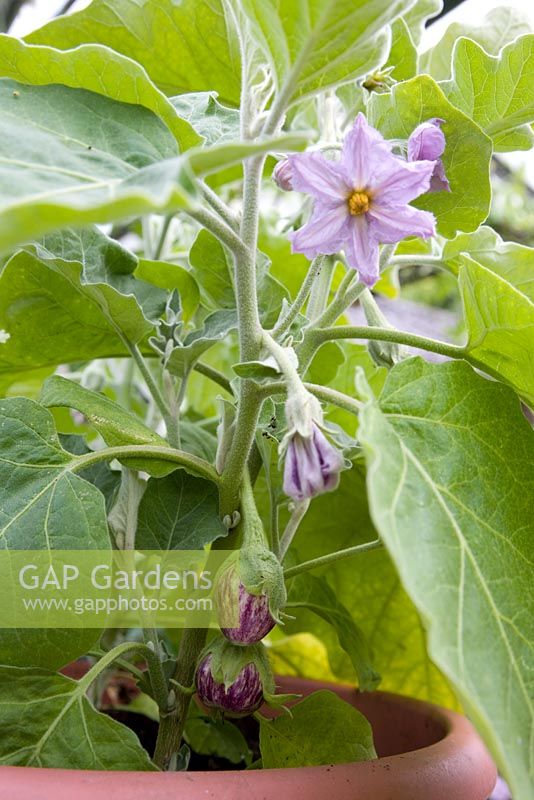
(320,290)
(218,205)
(331,558)
(162,237)
(172,724)
(292,526)
(213,375)
(387,335)
(285,322)
(152,386)
(192,463)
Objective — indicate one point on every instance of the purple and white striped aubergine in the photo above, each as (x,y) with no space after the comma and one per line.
(255,619)
(243,697)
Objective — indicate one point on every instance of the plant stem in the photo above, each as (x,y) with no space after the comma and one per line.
(285,322)
(342,300)
(192,463)
(214,375)
(419,260)
(220,207)
(215,225)
(292,526)
(331,558)
(152,386)
(323,393)
(162,237)
(388,335)
(160,691)
(172,724)
(120,662)
(320,290)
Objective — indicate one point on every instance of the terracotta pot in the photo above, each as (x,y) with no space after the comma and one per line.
(425,753)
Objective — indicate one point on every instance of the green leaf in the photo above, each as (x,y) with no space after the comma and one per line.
(104,161)
(499,27)
(179,512)
(116,425)
(256,370)
(497,92)
(500,323)
(213,737)
(185,47)
(299,740)
(169,277)
(211,269)
(322,44)
(313,592)
(97,69)
(216,328)
(368,586)
(211,120)
(60,164)
(43,714)
(466,158)
(43,506)
(417,16)
(68,309)
(450,481)
(403,53)
(100,475)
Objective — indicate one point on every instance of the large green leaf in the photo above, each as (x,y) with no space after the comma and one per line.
(418,15)
(215,122)
(44,505)
(499,27)
(169,277)
(67,309)
(369,587)
(185,47)
(116,425)
(98,69)
(71,157)
(299,740)
(466,158)
(403,53)
(500,324)
(322,43)
(313,592)
(47,721)
(450,482)
(179,512)
(496,91)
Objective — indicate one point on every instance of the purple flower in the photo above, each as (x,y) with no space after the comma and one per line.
(243,697)
(360,200)
(427,142)
(255,620)
(312,465)
(282,175)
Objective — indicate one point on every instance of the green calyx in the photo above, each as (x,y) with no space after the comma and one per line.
(228,660)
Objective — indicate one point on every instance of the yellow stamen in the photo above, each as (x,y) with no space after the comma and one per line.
(359,203)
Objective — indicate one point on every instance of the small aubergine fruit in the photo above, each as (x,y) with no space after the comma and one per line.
(242,697)
(253,614)
(236,680)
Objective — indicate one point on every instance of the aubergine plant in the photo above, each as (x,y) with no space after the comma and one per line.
(194,196)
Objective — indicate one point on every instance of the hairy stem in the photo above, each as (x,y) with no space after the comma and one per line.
(387,335)
(172,723)
(291,528)
(331,558)
(320,290)
(285,322)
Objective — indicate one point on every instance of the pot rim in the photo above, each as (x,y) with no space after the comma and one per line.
(457,758)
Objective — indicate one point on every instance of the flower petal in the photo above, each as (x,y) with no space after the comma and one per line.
(390,224)
(427,141)
(439,182)
(363,147)
(316,175)
(325,233)
(396,182)
(361,250)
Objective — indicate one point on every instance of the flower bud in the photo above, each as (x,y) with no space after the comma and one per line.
(283,175)
(427,143)
(255,618)
(243,696)
(312,465)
